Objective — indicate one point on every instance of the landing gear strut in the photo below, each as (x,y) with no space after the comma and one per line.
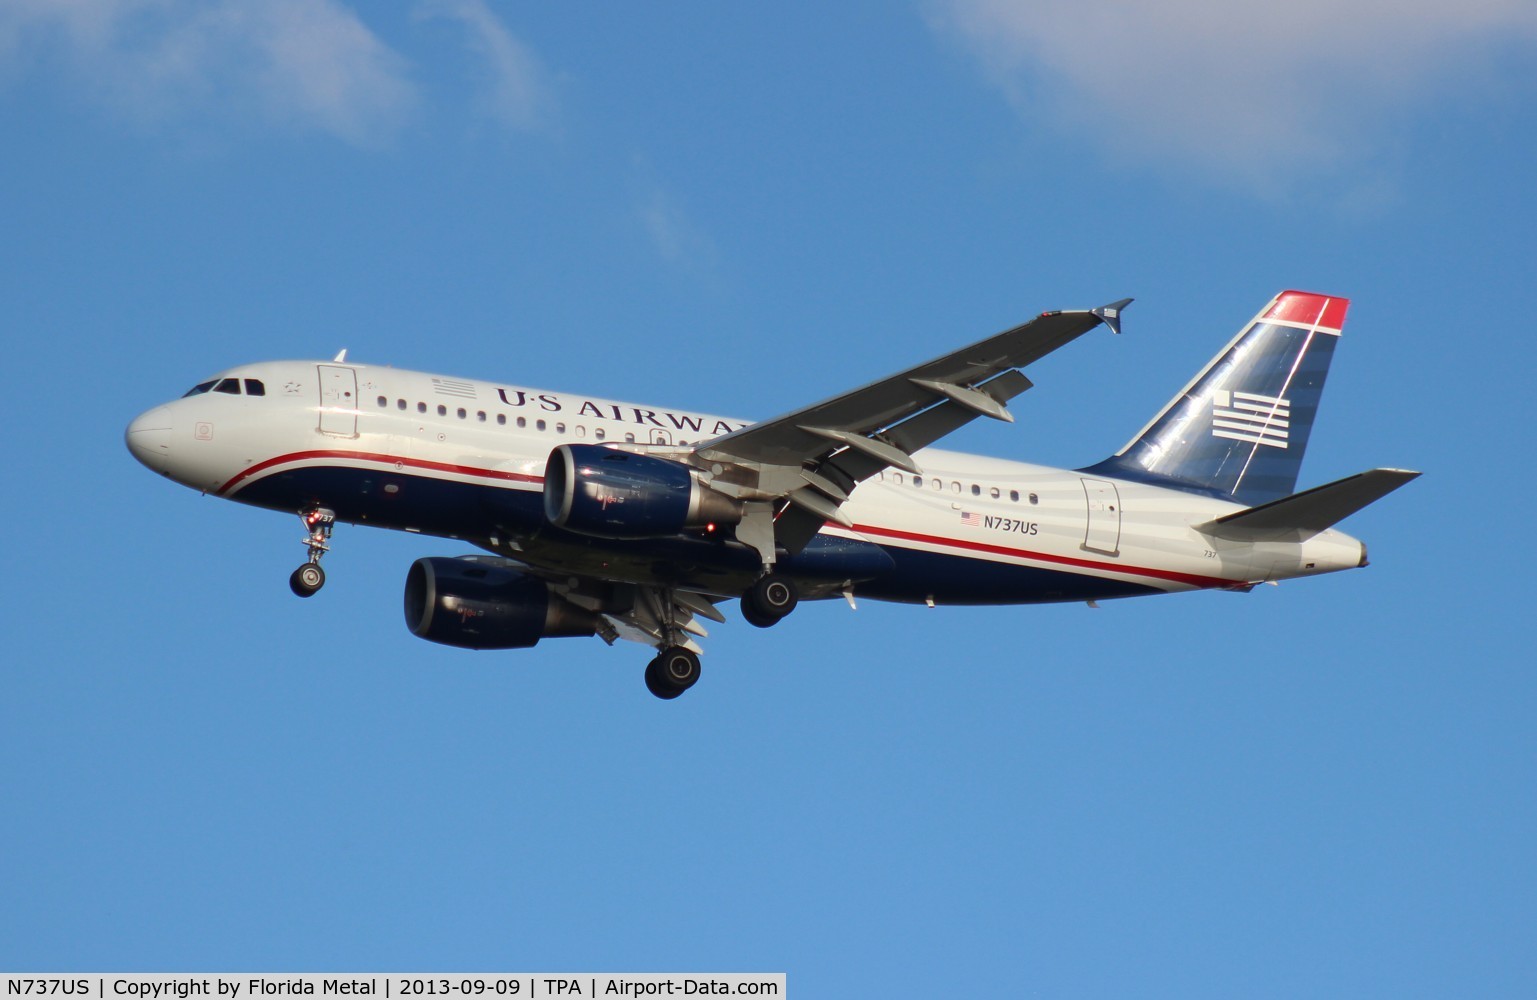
(674,671)
(769,600)
(309,577)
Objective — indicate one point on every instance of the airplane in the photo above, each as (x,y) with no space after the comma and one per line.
(613,519)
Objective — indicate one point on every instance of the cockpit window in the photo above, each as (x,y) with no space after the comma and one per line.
(254,387)
(229,385)
(200,388)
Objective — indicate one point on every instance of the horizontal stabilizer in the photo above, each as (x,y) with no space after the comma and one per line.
(1303,515)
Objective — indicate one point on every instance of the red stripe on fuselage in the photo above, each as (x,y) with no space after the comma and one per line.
(1188,579)
(362,456)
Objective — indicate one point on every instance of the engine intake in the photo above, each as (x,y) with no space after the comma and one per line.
(608,493)
(475,604)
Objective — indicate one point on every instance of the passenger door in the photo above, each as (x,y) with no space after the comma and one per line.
(338,401)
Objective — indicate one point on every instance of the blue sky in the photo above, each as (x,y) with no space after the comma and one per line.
(1322,788)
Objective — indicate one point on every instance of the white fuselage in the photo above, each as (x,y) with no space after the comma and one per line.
(466,459)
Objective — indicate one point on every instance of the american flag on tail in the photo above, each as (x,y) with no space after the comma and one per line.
(1249,416)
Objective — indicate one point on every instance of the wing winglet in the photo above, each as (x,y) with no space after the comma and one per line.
(1111,315)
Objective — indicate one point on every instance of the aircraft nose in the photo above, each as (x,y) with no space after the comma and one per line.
(149,438)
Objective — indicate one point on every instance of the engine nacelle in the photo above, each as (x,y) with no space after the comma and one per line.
(609,493)
(478,604)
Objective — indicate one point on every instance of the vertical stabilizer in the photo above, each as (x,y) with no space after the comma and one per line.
(1239,429)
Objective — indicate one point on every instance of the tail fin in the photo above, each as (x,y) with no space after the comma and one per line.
(1239,429)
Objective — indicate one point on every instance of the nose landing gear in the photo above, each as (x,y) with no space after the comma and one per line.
(309,578)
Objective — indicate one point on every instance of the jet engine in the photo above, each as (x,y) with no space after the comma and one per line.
(608,493)
(479,604)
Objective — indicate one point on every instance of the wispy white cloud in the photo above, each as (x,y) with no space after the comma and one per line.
(516,93)
(1260,93)
(675,237)
(317,60)
(301,63)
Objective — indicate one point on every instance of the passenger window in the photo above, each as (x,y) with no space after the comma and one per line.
(955,487)
(1034,498)
(383,401)
(995,493)
(522,421)
(600,434)
(539,425)
(480,415)
(400,405)
(581,431)
(896,477)
(200,388)
(918,481)
(939,484)
(254,387)
(421,407)
(228,385)
(629,438)
(501,419)
(976,490)
(560,428)
(461,413)
(1014,495)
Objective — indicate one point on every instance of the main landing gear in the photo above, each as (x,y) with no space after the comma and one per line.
(675,668)
(674,671)
(769,600)
(309,577)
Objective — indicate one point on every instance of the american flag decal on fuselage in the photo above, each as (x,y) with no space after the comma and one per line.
(1249,416)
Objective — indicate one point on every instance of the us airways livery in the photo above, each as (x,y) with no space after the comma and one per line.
(636,522)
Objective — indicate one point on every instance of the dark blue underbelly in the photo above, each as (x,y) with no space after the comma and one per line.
(478,513)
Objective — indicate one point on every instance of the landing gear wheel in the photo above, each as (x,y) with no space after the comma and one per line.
(770,599)
(674,671)
(307,579)
(655,686)
(752,616)
(318,522)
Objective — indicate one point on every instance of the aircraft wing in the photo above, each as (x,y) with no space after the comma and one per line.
(813,456)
